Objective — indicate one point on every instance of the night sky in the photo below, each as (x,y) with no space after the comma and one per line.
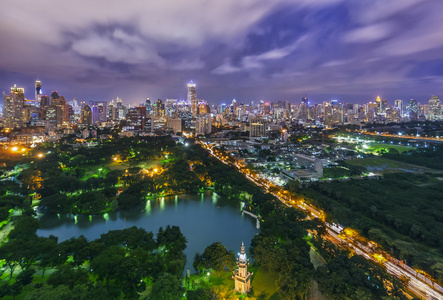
(250,50)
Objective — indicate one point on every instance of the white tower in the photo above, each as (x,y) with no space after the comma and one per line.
(241,276)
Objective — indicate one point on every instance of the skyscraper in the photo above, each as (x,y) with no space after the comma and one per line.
(434,108)
(148,107)
(192,98)
(44,101)
(38,92)
(98,111)
(398,104)
(160,108)
(13,107)
(412,109)
(86,116)
(379,104)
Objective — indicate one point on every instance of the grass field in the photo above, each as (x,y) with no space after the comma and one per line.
(381,165)
(378,146)
(92,171)
(264,281)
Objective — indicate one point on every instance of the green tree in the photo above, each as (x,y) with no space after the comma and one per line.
(215,257)
(167,287)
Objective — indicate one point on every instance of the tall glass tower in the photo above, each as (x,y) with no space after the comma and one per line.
(38,92)
(192,98)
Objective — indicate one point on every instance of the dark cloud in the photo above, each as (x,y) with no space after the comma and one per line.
(249,50)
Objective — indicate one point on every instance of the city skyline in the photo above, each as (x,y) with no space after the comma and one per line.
(328,49)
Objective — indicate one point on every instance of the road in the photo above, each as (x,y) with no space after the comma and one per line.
(409,137)
(421,287)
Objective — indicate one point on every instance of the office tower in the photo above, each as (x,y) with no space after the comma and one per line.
(98,109)
(412,109)
(159,108)
(170,106)
(192,98)
(203,125)
(267,108)
(221,108)
(398,104)
(175,124)
(45,101)
(54,97)
(303,109)
(434,108)
(62,112)
(379,104)
(203,108)
(148,107)
(38,93)
(13,108)
(384,105)
(135,118)
(120,102)
(53,115)
(71,113)
(86,115)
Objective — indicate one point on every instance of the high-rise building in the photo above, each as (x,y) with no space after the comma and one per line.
(384,105)
(379,104)
(412,109)
(160,108)
(204,108)
(175,124)
(192,98)
(38,92)
(59,101)
(53,115)
(119,102)
(148,107)
(203,125)
(13,108)
(434,108)
(398,104)
(135,118)
(221,108)
(86,115)
(98,111)
(258,127)
(45,101)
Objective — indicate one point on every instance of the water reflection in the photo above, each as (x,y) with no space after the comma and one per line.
(148,207)
(203,219)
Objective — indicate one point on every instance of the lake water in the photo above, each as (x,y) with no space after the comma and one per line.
(203,219)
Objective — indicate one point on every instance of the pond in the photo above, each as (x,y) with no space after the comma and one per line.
(203,219)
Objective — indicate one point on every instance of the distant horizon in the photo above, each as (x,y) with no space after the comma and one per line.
(312,101)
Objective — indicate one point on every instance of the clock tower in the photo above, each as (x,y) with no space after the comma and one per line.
(241,276)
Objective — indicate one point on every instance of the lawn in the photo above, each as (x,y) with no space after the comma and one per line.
(264,281)
(384,165)
(93,171)
(400,149)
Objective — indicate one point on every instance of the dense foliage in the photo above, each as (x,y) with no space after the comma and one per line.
(430,157)
(118,264)
(402,212)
